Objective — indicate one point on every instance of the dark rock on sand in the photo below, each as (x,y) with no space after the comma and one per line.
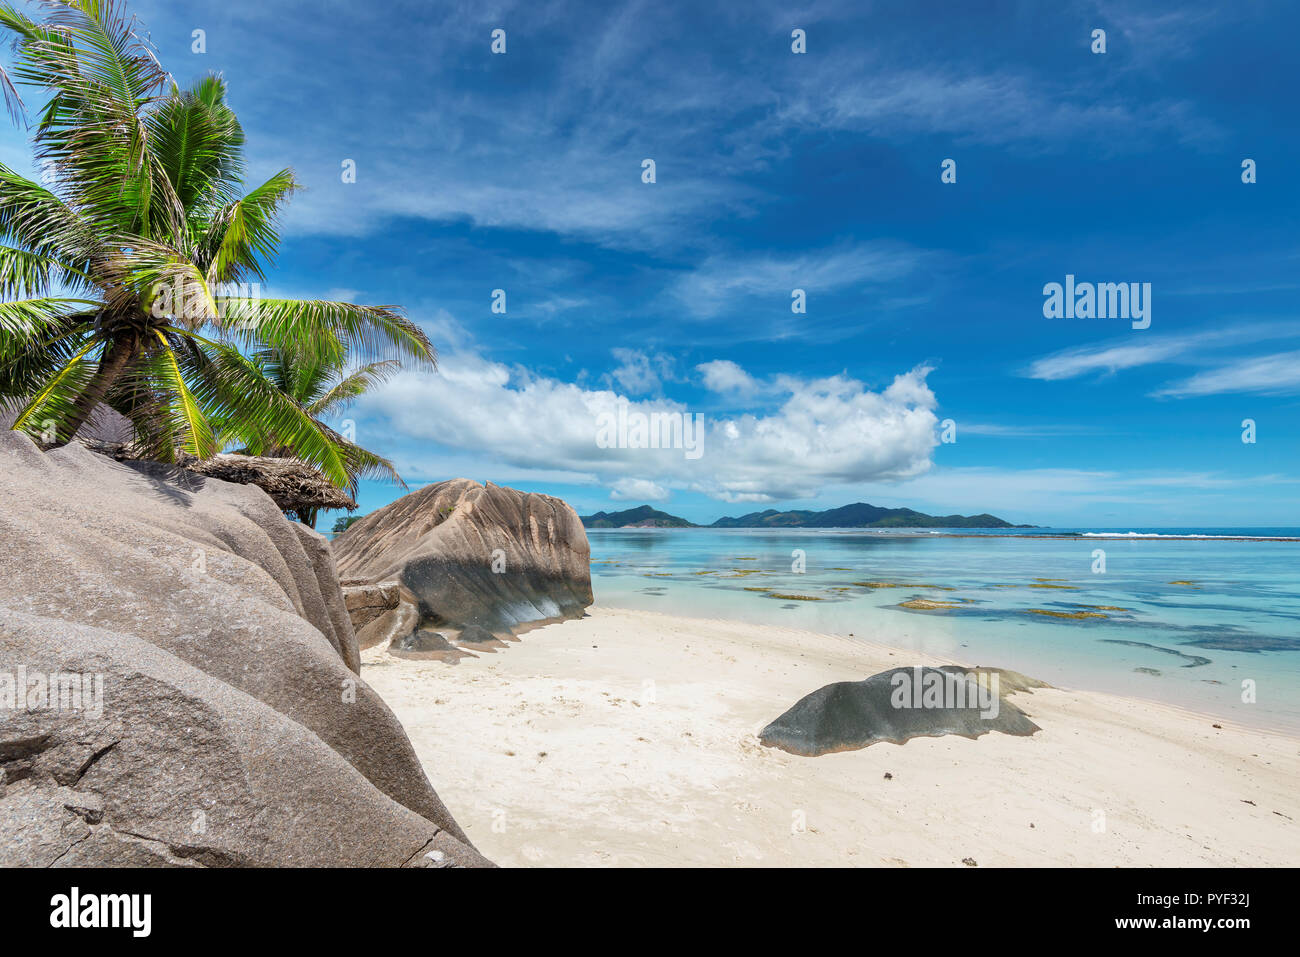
(849,715)
(422,640)
(475,635)
(231,726)
(427,645)
(468,556)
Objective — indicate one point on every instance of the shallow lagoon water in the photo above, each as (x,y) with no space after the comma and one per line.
(1236,619)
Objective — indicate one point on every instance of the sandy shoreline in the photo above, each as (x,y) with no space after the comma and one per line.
(629,738)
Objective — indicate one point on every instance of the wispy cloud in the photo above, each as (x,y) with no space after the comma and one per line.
(550,137)
(987,108)
(1129,353)
(1111,358)
(1079,495)
(1277,374)
(994,430)
(727,282)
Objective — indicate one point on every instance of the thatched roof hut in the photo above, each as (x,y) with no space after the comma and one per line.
(295,486)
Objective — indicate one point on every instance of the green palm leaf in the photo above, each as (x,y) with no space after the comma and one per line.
(24,321)
(252,410)
(321,329)
(189,423)
(25,273)
(352,386)
(142,211)
(245,230)
(54,400)
(34,218)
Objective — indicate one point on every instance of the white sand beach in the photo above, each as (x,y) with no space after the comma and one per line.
(629,738)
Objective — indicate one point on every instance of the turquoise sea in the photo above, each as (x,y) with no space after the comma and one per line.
(1195,617)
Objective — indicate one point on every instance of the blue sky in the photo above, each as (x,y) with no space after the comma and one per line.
(819,171)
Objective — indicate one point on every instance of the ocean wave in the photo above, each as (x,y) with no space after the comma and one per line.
(1198,535)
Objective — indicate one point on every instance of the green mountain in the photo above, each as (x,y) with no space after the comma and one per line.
(861,515)
(641,517)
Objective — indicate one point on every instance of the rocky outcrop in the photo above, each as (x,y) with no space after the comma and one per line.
(901,704)
(178,682)
(366,603)
(473,564)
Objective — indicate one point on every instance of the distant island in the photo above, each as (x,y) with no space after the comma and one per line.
(641,517)
(858,515)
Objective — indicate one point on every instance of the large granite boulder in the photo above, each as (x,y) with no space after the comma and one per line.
(178,682)
(484,561)
(901,704)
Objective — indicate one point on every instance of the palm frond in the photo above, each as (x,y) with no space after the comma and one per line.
(111,50)
(101,74)
(26,320)
(244,233)
(188,425)
(27,362)
(198,143)
(160,281)
(250,409)
(325,331)
(140,211)
(352,386)
(34,218)
(54,402)
(25,273)
(364,464)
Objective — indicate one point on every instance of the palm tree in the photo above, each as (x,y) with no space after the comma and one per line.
(324,388)
(125,276)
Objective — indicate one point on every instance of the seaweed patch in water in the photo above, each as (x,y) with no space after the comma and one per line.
(1241,609)
(1193,661)
(928,604)
(1067,614)
(1229,638)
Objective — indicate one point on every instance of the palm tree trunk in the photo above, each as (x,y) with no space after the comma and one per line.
(110,369)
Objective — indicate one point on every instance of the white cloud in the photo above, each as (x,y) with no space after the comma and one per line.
(639,373)
(725,377)
(996,430)
(558,304)
(823,431)
(638,490)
